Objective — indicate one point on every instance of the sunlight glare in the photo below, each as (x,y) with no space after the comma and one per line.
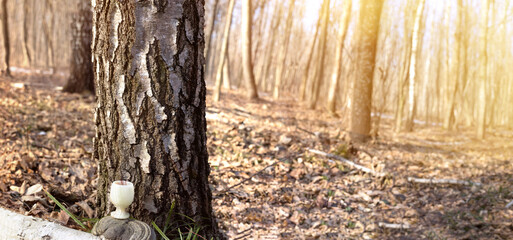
(311,12)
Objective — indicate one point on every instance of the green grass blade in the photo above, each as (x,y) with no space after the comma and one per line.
(168,218)
(189,236)
(159,231)
(180,234)
(185,216)
(67,211)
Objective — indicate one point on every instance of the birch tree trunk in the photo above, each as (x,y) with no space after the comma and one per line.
(344,22)
(247,66)
(283,51)
(223,52)
(81,68)
(148,59)
(482,67)
(413,67)
(361,99)
(7,45)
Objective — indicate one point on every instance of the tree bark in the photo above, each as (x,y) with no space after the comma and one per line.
(413,67)
(344,22)
(247,66)
(148,59)
(81,68)
(361,101)
(7,45)
(283,51)
(482,67)
(223,52)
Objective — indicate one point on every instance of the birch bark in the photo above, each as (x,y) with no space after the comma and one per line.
(148,59)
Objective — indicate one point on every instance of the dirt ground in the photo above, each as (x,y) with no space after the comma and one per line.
(266,184)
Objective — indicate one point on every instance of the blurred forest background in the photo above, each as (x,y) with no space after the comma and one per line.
(428,83)
(446,79)
(39,33)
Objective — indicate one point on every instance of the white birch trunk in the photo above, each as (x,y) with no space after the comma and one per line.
(16,226)
(412,70)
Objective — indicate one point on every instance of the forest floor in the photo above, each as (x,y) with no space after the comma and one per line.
(266,184)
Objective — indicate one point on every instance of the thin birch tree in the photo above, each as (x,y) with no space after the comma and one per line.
(148,59)
(413,67)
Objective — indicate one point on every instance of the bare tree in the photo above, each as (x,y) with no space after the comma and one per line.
(7,45)
(367,36)
(413,67)
(227,84)
(211,27)
(26,52)
(268,55)
(317,81)
(223,53)
(283,51)
(47,30)
(482,74)
(148,59)
(454,65)
(344,22)
(404,67)
(81,68)
(306,71)
(247,66)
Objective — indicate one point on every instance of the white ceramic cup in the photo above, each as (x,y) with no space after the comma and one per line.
(121,195)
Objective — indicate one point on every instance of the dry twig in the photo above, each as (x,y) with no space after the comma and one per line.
(348,163)
(249,178)
(394,225)
(509,204)
(443,181)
